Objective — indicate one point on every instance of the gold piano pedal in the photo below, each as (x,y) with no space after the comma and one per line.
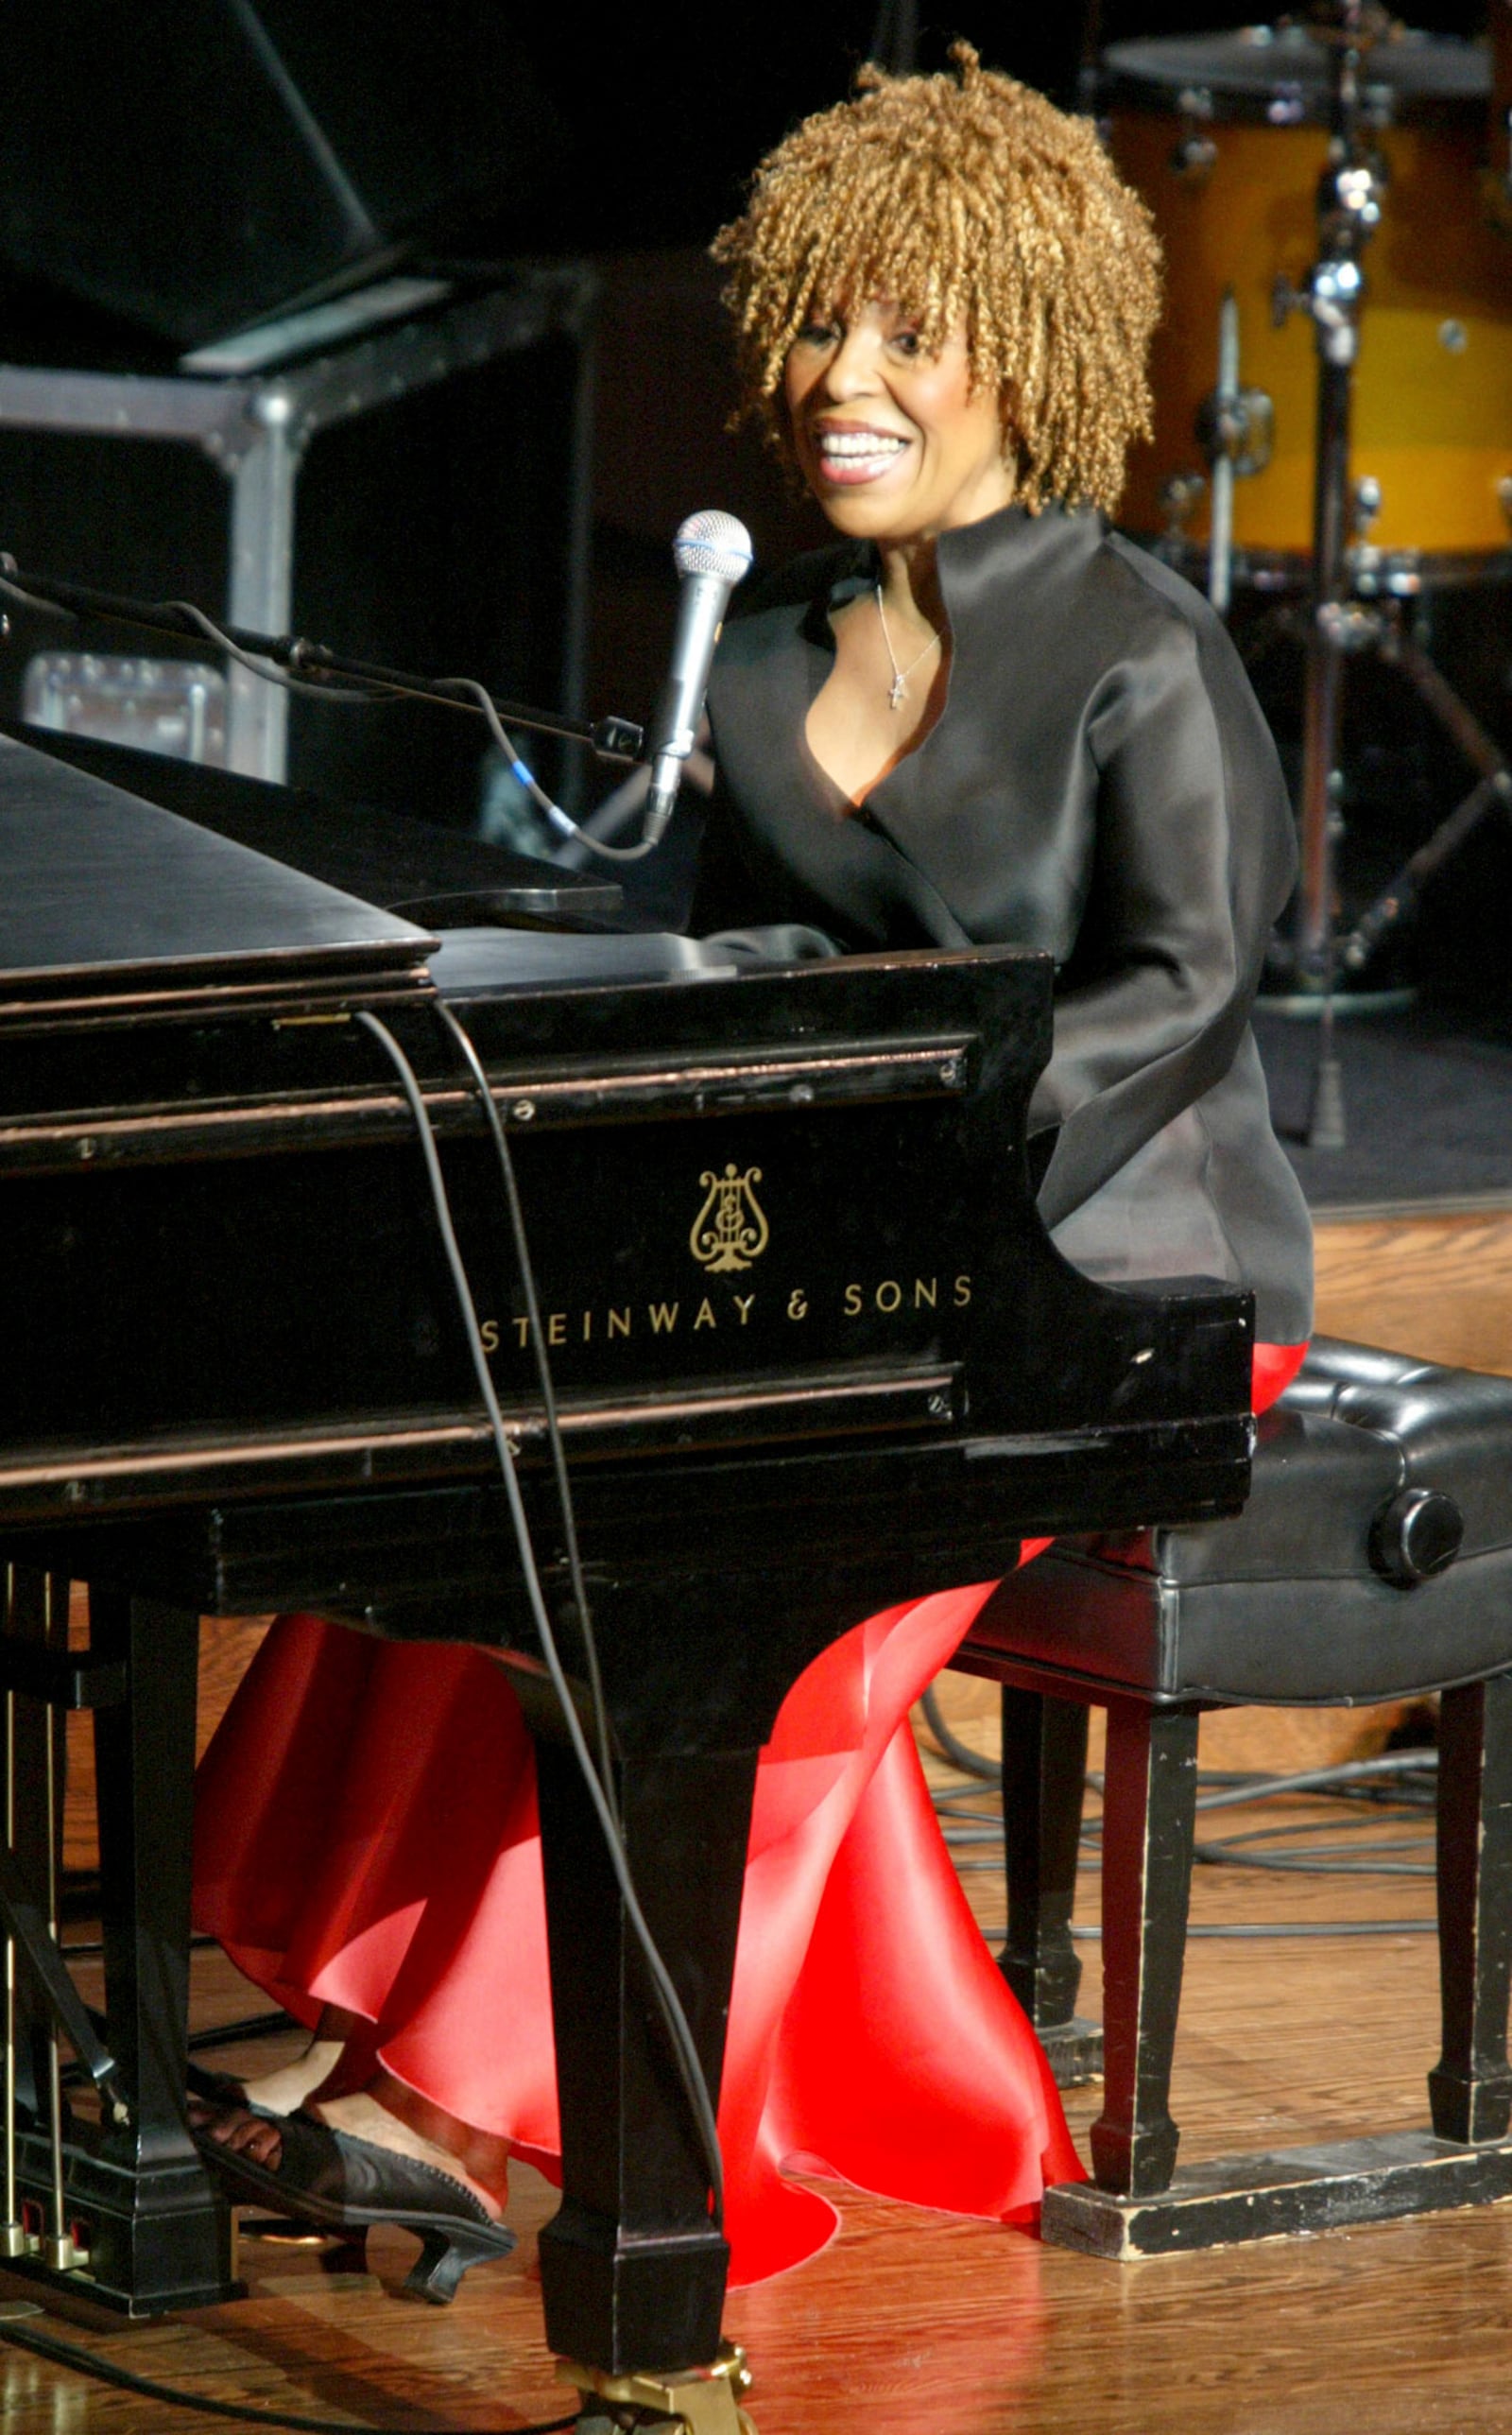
(700,2401)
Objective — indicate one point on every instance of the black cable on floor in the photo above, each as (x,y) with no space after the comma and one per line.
(1257,1930)
(1235,1790)
(1306,1864)
(88,2363)
(1290,1828)
(1350,1772)
(960,1753)
(1358,1780)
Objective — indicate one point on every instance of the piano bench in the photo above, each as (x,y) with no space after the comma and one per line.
(1373,1561)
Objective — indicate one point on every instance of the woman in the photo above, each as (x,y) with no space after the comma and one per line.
(975,719)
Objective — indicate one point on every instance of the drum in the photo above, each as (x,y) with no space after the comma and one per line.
(1226,136)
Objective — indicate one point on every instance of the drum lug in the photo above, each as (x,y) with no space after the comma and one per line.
(1194,158)
(1197,153)
(1365,507)
(1238,424)
(1179,497)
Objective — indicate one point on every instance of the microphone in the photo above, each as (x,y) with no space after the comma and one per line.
(712,552)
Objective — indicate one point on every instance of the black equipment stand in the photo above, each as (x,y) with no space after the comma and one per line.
(1349,194)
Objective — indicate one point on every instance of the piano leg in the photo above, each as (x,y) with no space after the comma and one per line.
(1149,1816)
(1045,1772)
(632,2270)
(30,1725)
(161,2230)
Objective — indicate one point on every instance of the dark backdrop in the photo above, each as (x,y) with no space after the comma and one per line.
(145,203)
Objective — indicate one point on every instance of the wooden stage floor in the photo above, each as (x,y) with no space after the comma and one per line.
(913,2324)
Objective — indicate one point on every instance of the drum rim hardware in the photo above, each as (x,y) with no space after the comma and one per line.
(1210,69)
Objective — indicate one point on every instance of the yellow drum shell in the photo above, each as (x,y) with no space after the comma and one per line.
(1433,400)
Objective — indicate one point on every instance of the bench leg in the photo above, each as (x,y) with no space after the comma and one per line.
(1149,1809)
(1044,1772)
(1470,2089)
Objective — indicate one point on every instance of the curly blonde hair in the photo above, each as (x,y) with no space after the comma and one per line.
(972,204)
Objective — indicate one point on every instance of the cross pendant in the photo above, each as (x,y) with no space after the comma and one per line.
(895,693)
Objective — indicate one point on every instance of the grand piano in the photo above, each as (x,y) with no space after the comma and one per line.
(814,1353)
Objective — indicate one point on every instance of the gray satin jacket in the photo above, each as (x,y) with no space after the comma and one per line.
(1101,784)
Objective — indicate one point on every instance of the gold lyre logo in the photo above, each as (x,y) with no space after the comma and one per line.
(731,1230)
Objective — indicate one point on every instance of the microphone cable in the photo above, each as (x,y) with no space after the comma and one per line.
(683,2050)
(548,1398)
(305,687)
(561,821)
(524,776)
(309,689)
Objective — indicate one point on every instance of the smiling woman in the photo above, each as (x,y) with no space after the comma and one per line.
(874,413)
(943,297)
(980,718)
(977,718)
(978,211)
(898,448)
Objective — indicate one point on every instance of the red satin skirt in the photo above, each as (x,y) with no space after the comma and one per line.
(366,1836)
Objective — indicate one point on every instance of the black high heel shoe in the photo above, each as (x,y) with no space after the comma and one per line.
(344,2185)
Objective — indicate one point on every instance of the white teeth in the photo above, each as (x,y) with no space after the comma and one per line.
(860,443)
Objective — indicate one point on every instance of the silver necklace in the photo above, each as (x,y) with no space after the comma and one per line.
(900,675)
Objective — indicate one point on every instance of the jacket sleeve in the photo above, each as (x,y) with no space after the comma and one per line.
(1193,859)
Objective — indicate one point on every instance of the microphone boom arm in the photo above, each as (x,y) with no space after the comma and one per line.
(313,663)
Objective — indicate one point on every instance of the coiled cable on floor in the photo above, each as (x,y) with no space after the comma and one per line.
(1405,1778)
(960,1753)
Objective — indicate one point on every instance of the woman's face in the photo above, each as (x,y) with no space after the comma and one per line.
(890,440)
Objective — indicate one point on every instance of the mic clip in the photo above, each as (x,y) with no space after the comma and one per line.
(618,739)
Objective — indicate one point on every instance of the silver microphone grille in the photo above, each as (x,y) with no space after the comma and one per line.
(711,543)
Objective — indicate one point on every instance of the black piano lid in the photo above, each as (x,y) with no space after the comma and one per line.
(437,876)
(102,894)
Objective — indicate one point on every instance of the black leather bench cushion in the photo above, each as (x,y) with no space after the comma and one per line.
(1288,1601)
(1328,1643)
(1452,1430)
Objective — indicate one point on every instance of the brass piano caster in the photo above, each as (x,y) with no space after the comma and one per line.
(698,2401)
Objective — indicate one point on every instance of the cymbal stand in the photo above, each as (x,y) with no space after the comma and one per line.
(1349,208)
(1385,632)
(1233,429)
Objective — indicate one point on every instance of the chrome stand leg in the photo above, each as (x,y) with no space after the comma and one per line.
(1349,208)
